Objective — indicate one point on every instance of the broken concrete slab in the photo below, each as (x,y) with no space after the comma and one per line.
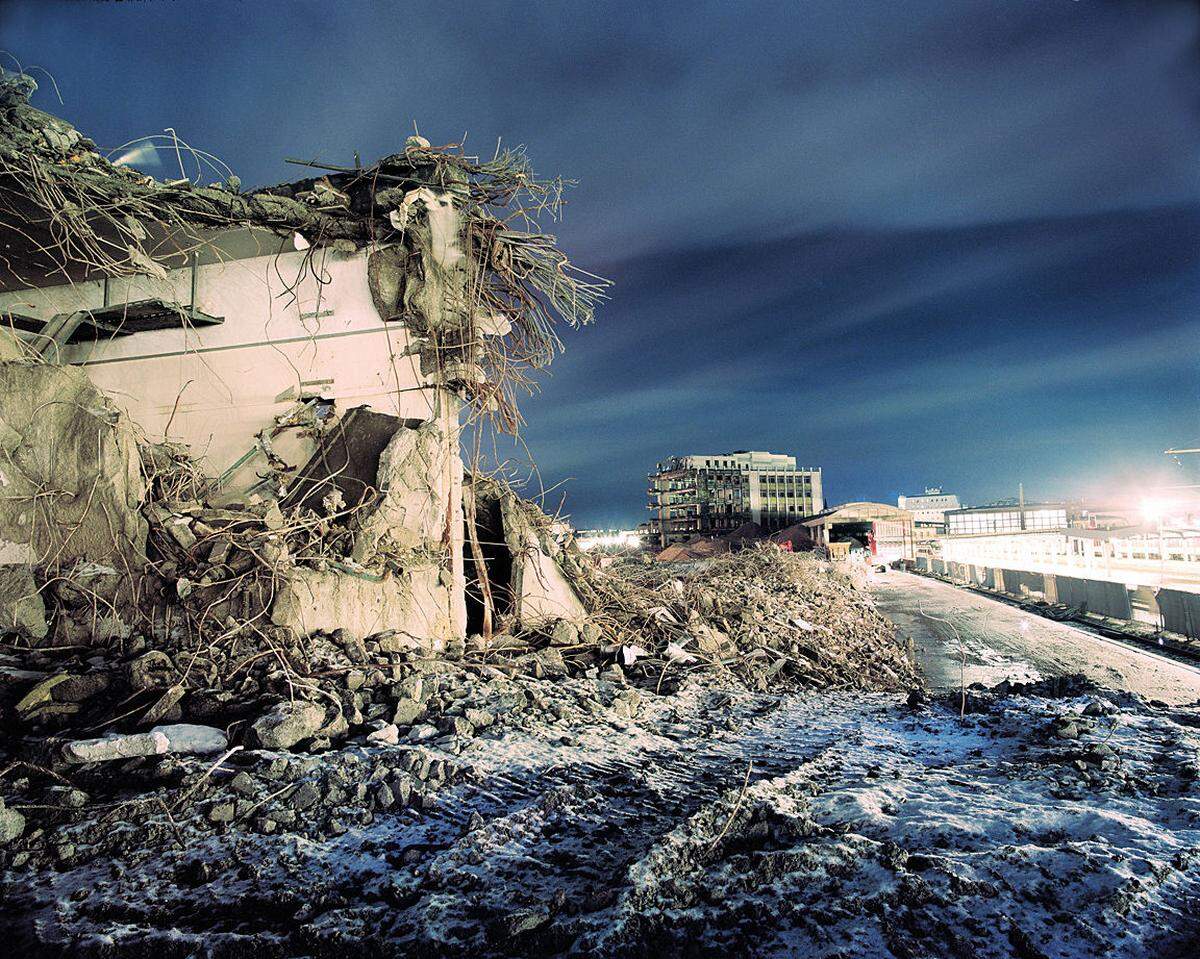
(12,824)
(414,487)
(414,604)
(347,460)
(525,576)
(70,470)
(22,609)
(63,688)
(287,724)
(176,738)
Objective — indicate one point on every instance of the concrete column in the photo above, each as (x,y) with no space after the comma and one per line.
(449,409)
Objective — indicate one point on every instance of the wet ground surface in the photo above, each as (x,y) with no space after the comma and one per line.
(1059,821)
(1003,642)
(816,824)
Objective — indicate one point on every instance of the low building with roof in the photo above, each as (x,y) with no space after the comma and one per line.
(878,531)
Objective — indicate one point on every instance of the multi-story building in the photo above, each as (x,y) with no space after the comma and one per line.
(929,508)
(708,495)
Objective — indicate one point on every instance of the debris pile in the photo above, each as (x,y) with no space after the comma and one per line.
(764,619)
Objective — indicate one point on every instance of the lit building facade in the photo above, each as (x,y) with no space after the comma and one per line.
(708,495)
(930,507)
(983,520)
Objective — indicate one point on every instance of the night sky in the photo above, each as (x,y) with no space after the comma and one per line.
(915,243)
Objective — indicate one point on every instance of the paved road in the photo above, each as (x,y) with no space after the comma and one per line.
(1000,641)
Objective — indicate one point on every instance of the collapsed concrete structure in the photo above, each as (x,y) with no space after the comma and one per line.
(276,379)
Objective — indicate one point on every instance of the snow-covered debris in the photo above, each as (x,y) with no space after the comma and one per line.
(716,822)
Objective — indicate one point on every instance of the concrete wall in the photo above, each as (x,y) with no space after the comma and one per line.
(297,324)
(285,336)
(1135,561)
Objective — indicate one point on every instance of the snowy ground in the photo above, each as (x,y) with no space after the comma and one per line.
(1004,642)
(865,828)
(1061,822)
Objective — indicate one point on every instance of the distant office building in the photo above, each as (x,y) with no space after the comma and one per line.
(709,495)
(931,506)
(1031,517)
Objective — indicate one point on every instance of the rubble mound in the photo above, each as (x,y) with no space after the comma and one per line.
(761,619)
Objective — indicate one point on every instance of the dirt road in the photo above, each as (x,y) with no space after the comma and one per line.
(1004,642)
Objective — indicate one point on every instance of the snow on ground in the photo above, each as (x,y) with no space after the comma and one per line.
(1004,642)
(865,827)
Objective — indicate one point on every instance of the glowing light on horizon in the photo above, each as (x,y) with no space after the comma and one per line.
(619,538)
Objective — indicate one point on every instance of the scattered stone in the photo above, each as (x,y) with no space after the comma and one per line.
(222,812)
(387,735)
(244,784)
(177,738)
(42,693)
(12,824)
(287,724)
(152,670)
(166,706)
(407,712)
(458,726)
(479,718)
(1066,729)
(565,633)
(22,609)
(305,796)
(69,797)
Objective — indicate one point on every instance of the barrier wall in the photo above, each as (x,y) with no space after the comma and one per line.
(1014,579)
(1096,596)
(1180,612)
(983,576)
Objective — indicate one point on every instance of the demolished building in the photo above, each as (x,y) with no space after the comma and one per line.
(196,381)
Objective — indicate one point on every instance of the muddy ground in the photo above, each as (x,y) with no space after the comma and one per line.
(502,814)
(707,824)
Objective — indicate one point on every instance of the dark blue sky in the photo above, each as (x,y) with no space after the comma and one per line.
(913,242)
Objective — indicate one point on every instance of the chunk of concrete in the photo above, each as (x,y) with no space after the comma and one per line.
(152,670)
(540,591)
(12,824)
(176,738)
(22,609)
(414,483)
(287,724)
(414,604)
(64,688)
(70,469)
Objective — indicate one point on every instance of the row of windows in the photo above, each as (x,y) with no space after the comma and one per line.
(1004,522)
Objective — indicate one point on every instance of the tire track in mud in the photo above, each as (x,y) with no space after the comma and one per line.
(861,826)
(552,857)
(528,857)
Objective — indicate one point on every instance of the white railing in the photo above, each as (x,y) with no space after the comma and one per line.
(1148,561)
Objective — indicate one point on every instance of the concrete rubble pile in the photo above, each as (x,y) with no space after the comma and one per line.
(763,619)
(209,662)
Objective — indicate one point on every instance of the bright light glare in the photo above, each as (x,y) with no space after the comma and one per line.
(624,537)
(1155,508)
